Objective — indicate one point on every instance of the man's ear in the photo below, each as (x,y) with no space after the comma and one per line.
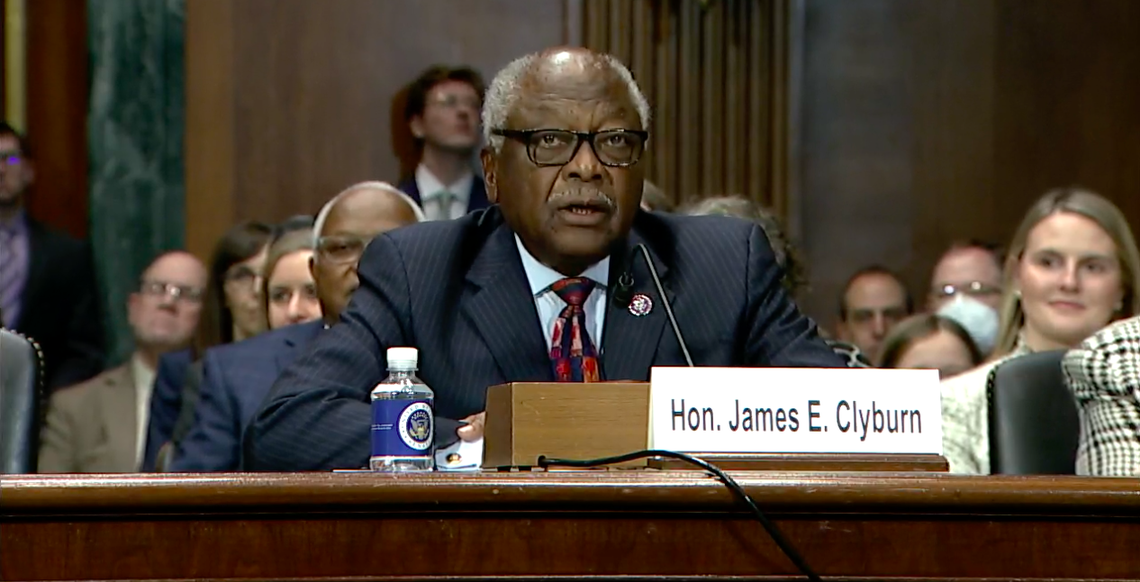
(488,158)
(417,127)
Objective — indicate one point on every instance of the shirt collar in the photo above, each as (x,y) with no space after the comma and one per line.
(18,225)
(142,374)
(541,277)
(430,186)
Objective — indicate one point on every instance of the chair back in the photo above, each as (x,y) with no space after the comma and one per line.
(21,402)
(1033,419)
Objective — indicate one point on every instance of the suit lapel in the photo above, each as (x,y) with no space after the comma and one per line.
(412,189)
(120,417)
(630,342)
(499,303)
(39,259)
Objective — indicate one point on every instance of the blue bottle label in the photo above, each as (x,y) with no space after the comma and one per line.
(402,428)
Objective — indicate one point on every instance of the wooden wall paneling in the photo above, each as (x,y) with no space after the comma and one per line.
(709,72)
(711,86)
(306,92)
(1069,83)
(664,101)
(57,111)
(210,123)
(4,58)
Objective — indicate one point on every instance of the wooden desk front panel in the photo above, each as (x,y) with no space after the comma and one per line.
(574,525)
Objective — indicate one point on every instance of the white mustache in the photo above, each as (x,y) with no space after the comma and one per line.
(585,195)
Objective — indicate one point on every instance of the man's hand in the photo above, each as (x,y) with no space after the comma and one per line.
(473,430)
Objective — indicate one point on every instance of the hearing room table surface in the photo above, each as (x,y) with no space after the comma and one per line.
(570,525)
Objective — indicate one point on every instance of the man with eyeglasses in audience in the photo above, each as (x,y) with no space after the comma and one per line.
(237,376)
(969,268)
(99,426)
(443,114)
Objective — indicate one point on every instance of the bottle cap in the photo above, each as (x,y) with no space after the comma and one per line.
(403,358)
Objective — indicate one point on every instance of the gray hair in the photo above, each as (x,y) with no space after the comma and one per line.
(323,215)
(504,91)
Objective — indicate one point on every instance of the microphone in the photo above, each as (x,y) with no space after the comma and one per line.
(623,293)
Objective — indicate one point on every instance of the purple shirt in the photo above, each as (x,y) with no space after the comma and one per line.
(15,244)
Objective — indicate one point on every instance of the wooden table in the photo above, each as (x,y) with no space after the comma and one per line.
(568,525)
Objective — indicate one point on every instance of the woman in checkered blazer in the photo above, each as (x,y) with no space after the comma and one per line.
(1073,268)
(1104,375)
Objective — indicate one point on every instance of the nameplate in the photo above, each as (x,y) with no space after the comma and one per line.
(795,410)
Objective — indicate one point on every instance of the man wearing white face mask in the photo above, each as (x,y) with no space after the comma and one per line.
(979,319)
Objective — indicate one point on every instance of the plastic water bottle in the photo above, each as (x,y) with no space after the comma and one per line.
(403,423)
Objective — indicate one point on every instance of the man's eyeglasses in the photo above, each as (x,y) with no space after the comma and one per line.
(556,147)
(341,249)
(10,158)
(973,289)
(172,290)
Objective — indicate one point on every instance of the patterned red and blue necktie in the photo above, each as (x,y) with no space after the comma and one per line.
(571,351)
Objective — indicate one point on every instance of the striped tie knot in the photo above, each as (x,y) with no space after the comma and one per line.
(573,290)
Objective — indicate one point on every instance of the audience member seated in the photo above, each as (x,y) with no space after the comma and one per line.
(978,319)
(479,296)
(654,199)
(288,292)
(930,342)
(1104,375)
(1072,268)
(971,268)
(795,279)
(99,426)
(238,376)
(294,276)
(874,300)
(47,279)
(443,114)
(231,312)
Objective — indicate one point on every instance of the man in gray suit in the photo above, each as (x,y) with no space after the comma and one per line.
(540,286)
(98,426)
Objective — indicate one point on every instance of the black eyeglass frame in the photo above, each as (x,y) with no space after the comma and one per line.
(524,136)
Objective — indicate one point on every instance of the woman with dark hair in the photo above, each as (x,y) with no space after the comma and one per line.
(231,311)
(930,341)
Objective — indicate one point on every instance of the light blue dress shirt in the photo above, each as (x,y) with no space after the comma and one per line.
(549,305)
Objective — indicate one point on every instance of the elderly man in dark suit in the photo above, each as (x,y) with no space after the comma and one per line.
(47,279)
(1104,375)
(236,377)
(522,291)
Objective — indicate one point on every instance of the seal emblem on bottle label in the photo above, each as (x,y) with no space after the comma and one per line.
(416,426)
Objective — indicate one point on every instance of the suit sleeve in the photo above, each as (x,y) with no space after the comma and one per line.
(779,336)
(317,415)
(83,348)
(213,442)
(57,446)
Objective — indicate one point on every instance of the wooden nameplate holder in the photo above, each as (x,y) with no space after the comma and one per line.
(526,420)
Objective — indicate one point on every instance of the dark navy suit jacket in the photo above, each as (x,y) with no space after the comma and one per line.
(476,199)
(236,378)
(457,291)
(165,402)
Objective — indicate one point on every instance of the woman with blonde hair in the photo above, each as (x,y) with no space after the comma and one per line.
(1072,268)
(288,292)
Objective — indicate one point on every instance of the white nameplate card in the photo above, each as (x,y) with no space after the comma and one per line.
(795,410)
